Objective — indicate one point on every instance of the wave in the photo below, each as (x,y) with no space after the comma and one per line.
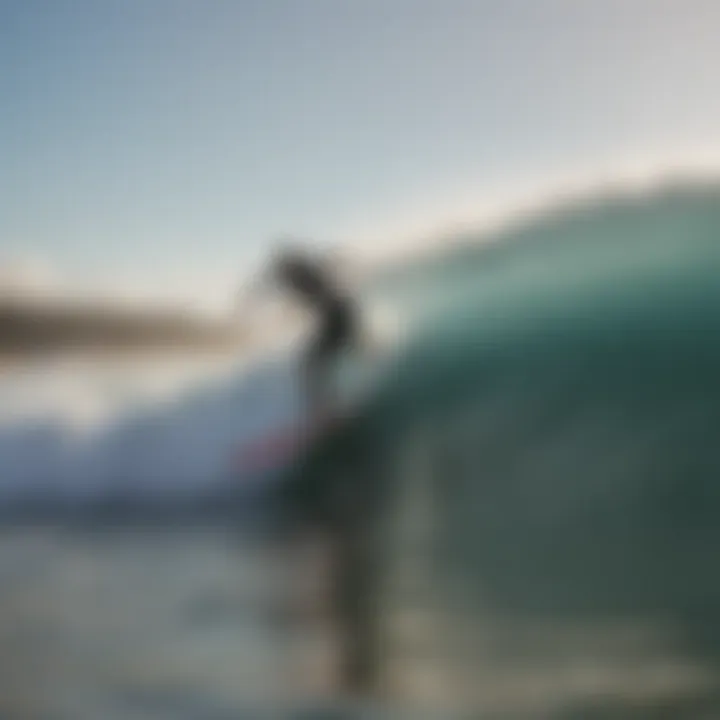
(573,276)
(181,446)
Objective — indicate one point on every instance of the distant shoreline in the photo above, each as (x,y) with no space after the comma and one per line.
(29,332)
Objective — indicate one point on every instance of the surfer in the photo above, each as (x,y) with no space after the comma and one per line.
(333,505)
(316,288)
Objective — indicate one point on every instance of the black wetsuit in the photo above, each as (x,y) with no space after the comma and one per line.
(337,321)
(335,503)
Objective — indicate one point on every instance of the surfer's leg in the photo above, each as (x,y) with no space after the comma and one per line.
(351,532)
(335,333)
(316,391)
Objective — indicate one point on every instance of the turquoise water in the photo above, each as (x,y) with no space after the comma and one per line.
(544,458)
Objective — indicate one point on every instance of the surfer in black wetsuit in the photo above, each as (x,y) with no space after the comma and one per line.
(336,509)
(312,283)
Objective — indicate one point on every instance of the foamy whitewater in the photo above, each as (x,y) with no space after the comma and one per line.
(80,429)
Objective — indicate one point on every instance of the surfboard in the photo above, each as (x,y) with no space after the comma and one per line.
(280,446)
(283,446)
(354,377)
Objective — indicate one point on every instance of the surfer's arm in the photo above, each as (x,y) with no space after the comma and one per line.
(261,286)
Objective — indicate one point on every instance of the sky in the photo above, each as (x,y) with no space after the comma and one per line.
(165,144)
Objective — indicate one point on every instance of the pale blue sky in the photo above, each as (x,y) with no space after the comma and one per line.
(151,136)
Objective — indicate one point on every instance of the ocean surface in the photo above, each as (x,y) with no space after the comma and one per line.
(547,442)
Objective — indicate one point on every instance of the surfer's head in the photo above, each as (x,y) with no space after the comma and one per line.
(297,268)
(291,255)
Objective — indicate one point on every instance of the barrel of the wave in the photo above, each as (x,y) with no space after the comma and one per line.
(547,451)
(560,421)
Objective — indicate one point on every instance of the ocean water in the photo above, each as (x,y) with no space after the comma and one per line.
(80,430)
(133,624)
(197,621)
(546,534)
(544,455)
